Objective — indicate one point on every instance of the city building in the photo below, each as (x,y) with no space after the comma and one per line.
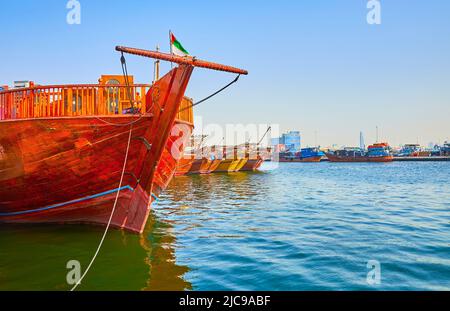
(290,140)
(362,145)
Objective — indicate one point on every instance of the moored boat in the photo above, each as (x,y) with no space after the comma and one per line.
(93,153)
(378,152)
(311,154)
(409,150)
(445,149)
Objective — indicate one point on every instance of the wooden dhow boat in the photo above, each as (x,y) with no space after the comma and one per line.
(93,153)
(255,155)
(194,164)
(305,155)
(378,152)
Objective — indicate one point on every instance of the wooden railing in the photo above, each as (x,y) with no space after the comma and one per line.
(72,100)
(186,112)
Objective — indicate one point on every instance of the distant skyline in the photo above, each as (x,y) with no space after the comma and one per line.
(315,66)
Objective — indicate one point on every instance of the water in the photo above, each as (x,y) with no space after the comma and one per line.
(303,226)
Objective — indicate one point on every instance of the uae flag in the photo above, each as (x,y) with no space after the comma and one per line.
(176,47)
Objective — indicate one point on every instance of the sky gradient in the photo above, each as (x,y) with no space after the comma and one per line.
(314,65)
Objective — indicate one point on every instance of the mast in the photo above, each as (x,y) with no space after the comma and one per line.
(200,147)
(170,44)
(260,141)
(156,68)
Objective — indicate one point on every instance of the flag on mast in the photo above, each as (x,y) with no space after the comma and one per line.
(175,46)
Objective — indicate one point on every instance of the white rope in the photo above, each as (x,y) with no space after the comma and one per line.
(111,216)
(122,124)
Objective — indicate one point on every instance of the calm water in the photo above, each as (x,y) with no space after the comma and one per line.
(299,227)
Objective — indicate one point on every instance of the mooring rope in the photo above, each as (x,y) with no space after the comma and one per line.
(125,74)
(213,94)
(112,212)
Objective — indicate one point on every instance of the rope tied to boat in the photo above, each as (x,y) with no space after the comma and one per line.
(130,124)
(213,94)
(127,84)
(127,81)
(112,211)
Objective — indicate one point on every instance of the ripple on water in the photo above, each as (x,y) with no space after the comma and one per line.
(303,227)
(298,227)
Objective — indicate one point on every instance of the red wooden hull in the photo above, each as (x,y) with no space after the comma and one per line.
(334,158)
(171,156)
(131,212)
(67,169)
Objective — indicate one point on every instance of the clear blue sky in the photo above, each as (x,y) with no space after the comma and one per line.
(314,65)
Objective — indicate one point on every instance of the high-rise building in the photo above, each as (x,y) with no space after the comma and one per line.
(290,140)
(361,141)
